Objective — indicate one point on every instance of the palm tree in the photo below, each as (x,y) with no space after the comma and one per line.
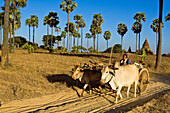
(14,5)
(63,34)
(71,30)
(1,24)
(28,22)
(139,17)
(57,29)
(74,35)
(88,36)
(4,56)
(82,25)
(155,27)
(122,29)
(46,19)
(34,23)
(107,35)
(77,19)
(159,49)
(97,21)
(68,6)
(167,17)
(136,28)
(53,22)
(93,32)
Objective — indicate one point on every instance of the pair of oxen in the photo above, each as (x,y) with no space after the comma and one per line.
(117,76)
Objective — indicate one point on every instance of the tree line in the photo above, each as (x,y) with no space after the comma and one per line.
(10,21)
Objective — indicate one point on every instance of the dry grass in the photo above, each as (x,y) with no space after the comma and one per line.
(31,75)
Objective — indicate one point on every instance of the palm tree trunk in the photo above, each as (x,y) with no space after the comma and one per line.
(47,33)
(159,50)
(97,41)
(81,39)
(107,44)
(139,41)
(74,41)
(156,41)
(10,41)
(4,56)
(94,43)
(14,35)
(121,42)
(33,33)
(77,44)
(87,44)
(136,41)
(67,31)
(77,40)
(51,36)
(0,34)
(29,34)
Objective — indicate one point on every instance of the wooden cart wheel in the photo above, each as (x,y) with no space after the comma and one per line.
(143,80)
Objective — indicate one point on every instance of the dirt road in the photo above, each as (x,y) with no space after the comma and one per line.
(68,101)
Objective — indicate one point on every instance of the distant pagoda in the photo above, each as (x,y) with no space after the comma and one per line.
(147,47)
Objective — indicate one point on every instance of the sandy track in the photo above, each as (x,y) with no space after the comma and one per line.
(70,102)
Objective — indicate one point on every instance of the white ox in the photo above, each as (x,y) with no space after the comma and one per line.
(119,76)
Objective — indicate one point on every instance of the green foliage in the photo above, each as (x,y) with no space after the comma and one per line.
(167,18)
(51,50)
(34,20)
(0,47)
(82,48)
(28,47)
(71,27)
(53,19)
(45,37)
(75,49)
(107,35)
(137,27)
(122,29)
(63,49)
(155,25)
(68,5)
(63,34)
(19,40)
(140,16)
(91,50)
(117,48)
(42,47)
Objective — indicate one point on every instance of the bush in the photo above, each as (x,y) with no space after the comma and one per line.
(116,49)
(75,49)
(42,47)
(28,47)
(91,50)
(35,45)
(51,50)
(63,49)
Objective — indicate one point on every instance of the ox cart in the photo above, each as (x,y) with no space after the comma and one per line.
(143,74)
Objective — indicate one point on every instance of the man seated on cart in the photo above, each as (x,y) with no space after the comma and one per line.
(125,60)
